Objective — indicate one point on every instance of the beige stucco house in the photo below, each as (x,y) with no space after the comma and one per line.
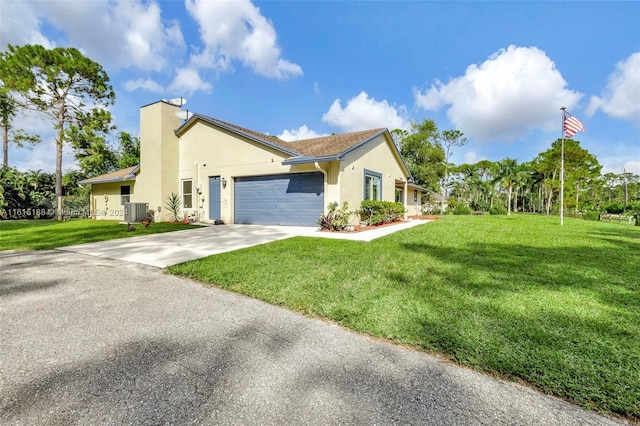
(223,171)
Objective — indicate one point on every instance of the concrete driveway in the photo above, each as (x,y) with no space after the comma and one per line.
(89,340)
(170,248)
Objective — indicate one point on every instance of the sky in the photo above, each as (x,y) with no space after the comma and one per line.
(498,71)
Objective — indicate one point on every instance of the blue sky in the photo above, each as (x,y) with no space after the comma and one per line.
(497,71)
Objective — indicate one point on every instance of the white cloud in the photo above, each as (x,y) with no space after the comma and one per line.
(32,122)
(619,165)
(616,156)
(41,156)
(146,84)
(19,25)
(302,132)
(119,34)
(363,112)
(514,91)
(632,167)
(621,97)
(470,157)
(316,88)
(235,30)
(187,81)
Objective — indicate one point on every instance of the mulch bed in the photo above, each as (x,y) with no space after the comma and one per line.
(425,216)
(359,228)
(382,225)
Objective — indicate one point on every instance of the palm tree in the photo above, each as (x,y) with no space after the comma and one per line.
(521,180)
(485,182)
(468,176)
(506,177)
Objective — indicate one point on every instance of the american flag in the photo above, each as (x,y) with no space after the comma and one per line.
(571,125)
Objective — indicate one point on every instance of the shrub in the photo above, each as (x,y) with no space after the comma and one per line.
(480,206)
(633,207)
(498,210)
(335,219)
(77,205)
(462,209)
(591,215)
(431,211)
(26,195)
(379,212)
(613,208)
(634,211)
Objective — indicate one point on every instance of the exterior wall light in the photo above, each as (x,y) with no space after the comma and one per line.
(224,182)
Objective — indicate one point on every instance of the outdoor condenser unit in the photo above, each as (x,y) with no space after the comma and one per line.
(135,212)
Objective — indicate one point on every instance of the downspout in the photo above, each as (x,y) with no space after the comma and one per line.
(405,195)
(195,191)
(316,165)
(93,205)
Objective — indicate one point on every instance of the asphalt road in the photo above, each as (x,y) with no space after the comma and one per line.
(88,340)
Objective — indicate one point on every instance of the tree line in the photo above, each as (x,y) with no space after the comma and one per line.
(530,186)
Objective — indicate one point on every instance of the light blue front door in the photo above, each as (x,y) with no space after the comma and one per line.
(214,198)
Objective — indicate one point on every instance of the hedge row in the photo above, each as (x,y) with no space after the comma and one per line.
(379,212)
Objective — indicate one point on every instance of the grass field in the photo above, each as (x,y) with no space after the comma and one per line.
(519,297)
(48,234)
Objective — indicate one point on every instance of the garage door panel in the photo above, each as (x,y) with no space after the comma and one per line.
(303,188)
(293,199)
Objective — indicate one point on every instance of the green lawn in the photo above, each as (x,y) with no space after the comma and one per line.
(48,234)
(519,297)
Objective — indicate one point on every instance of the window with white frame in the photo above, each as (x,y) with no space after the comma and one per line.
(372,185)
(125,194)
(187,193)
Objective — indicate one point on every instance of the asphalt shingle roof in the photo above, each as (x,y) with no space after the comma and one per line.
(332,145)
(118,175)
(322,146)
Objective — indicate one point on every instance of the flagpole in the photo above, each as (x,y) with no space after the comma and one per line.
(562,172)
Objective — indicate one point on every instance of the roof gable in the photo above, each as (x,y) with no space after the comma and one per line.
(336,147)
(270,141)
(323,148)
